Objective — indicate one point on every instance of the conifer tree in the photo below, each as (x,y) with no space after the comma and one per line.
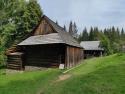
(56,22)
(85,36)
(64,28)
(95,33)
(122,35)
(70,28)
(73,29)
(91,34)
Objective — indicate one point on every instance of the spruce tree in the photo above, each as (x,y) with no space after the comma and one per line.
(91,34)
(56,22)
(122,35)
(117,34)
(70,28)
(73,29)
(64,28)
(95,33)
(85,36)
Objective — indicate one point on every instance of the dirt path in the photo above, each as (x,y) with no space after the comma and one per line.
(63,77)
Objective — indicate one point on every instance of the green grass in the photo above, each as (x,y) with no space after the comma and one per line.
(26,83)
(104,75)
(94,64)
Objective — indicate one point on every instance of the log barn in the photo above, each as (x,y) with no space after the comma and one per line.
(48,45)
(92,49)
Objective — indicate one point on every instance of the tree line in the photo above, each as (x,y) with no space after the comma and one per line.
(112,39)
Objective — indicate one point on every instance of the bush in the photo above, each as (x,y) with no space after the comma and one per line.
(2,59)
(105,44)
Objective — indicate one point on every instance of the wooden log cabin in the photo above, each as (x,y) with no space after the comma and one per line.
(49,45)
(92,49)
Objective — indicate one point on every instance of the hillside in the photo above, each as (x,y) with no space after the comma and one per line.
(104,75)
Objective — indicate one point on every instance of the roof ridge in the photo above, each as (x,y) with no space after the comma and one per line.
(54,23)
(44,35)
(66,37)
(91,41)
(48,19)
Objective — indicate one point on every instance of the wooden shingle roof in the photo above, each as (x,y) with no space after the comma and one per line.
(42,39)
(91,45)
(61,37)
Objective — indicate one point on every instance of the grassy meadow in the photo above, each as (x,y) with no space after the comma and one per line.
(104,75)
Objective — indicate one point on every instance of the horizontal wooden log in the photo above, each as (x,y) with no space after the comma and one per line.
(15,61)
(15,65)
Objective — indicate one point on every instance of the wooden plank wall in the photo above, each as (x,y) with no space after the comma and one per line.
(44,28)
(73,56)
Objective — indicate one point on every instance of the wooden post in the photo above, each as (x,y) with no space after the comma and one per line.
(67,57)
(73,63)
(60,59)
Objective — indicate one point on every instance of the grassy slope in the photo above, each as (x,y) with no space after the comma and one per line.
(104,75)
(96,76)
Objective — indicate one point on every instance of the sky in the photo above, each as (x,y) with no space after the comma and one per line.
(86,13)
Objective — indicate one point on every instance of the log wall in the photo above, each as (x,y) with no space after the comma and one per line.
(15,61)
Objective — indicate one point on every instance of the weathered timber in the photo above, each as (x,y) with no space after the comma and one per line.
(45,55)
(73,57)
(15,61)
